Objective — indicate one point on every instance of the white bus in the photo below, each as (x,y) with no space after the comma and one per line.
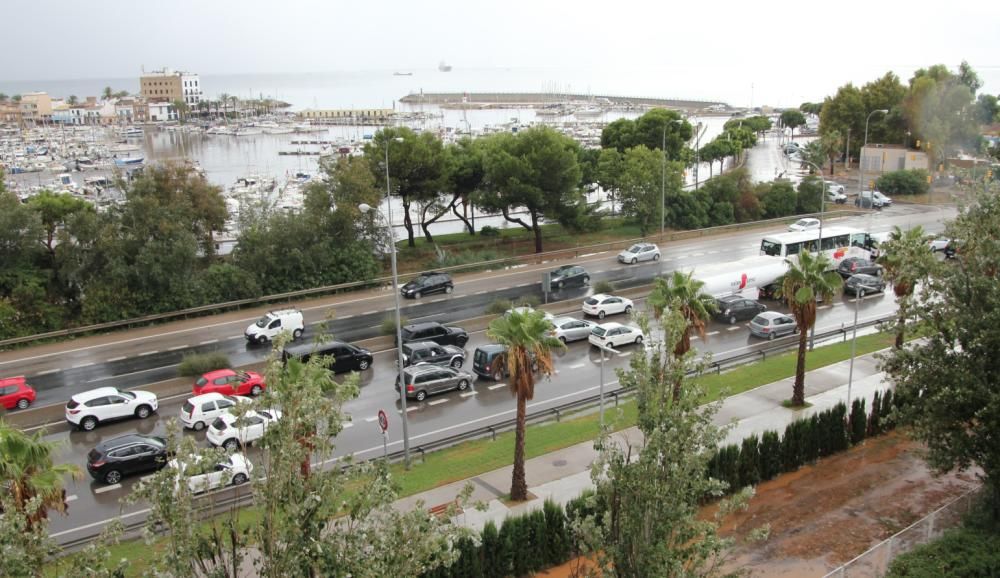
(838,244)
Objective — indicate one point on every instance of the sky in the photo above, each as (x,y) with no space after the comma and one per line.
(781,53)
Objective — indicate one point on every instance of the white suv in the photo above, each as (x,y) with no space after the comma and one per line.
(232,433)
(200,410)
(273,323)
(86,410)
(202,476)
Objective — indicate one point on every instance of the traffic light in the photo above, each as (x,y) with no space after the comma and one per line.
(871,185)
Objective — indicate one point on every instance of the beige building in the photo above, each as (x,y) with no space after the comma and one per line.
(36,106)
(169,86)
(877,159)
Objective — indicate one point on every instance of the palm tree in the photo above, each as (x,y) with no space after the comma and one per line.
(906,261)
(683,292)
(108,93)
(27,472)
(806,280)
(528,350)
(224,101)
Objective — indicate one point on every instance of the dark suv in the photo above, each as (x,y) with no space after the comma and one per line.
(346,357)
(428,352)
(733,308)
(569,276)
(429,282)
(489,361)
(434,331)
(858,265)
(110,461)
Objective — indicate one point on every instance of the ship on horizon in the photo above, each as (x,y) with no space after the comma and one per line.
(444,67)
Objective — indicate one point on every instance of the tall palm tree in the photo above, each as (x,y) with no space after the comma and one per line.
(529,350)
(906,261)
(682,291)
(810,278)
(27,472)
(108,93)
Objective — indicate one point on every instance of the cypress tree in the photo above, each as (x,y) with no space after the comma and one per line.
(556,533)
(790,448)
(770,455)
(888,401)
(749,464)
(859,421)
(874,427)
(494,556)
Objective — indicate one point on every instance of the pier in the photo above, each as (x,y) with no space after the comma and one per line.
(528,99)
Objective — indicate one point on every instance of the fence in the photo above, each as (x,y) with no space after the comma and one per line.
(875,562)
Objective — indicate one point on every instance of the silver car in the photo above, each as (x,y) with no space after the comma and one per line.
(424,380)
(568,329)
(639,252)
(771,324)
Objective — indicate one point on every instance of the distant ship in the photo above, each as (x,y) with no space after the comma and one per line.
(402,74)
(444,67)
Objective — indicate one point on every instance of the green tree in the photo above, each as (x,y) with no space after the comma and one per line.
(904,182)
(108,93)
(792,119)
(777,199)
(831,143)
(54,209)
(650,130)
(682,293)
(811,107)
(937,109)
(528,351)
(948,378)
(809,195)
(610,168)
(29,479)
(907,263)
(72,100)
(536,169)
(808,279)
(845,113)
(182,109)
(465,177)
(4,97)
(642,186)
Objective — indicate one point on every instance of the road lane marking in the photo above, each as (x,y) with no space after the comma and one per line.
(624,354)
(693,337)
(79,365)
(481,292)
(47,371)
(144,353)
(710,333)
(347,424)
(177,347)
(235,337)
(468,393)
(438,300)
(369,312)
(824,306)
(371,419)
(577,365)
(108,488)
(116,359)
(345,317)
(733,328)
(408,409)
(209,342)
(135,373)
(838,303)
(496,386)
(71,498)
(438,401)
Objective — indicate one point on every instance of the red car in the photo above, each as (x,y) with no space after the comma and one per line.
(230,382)
(14,392)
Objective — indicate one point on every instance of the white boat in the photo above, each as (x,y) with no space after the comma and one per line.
(444,67)
(248,131)
(279,130)
(123,148)
(588,111)
(58,168)
(129,161)
(131,131)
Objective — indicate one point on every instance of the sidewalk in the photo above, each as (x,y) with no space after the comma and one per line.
(564,474)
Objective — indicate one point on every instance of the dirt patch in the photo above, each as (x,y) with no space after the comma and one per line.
(824,515)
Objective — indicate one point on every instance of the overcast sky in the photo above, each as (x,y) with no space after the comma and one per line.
(790,51)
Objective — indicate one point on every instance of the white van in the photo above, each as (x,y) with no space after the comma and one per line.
(273,323)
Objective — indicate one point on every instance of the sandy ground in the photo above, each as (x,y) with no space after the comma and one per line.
(824,515)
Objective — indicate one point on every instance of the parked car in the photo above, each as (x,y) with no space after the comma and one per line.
(937,243)
(872,199)
(88,409)
(343,356)
(771,324)
(854,265)
(569,276)
(273,323)
(231,382)
(428,352)
(733,308)
(489,361)
(639,252)
(835,187)
(601,305)
(422,380)
(436,332)
(866,283)
(233,433)
(806,224)
(15,392)
(202,475)
(201,410)
(524,309)
(614,335)
(567,329)
(427,283)
(122,456)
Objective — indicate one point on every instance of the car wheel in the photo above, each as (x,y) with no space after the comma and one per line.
(463,385)
(563,339)
(656,257)
(255,390)
(23,404)
(416,294)
(732,320)
(231,445)
(498,376)
(198,425)
(457,362)
(421,395)
(628,310)
(600,314)
(143,411)
(363,364)
(88,423)
(262,340)
(296,334)
(449,289)
(461,342)
(633,261)
(112,477)
(638,340)
(239,479)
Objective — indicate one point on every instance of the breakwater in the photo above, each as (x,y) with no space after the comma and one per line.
(510,99)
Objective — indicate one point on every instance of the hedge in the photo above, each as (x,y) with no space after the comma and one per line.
(906,182)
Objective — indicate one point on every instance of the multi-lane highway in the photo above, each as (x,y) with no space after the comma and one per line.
(133,359)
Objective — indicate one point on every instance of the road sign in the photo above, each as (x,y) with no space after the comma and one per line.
(383,421)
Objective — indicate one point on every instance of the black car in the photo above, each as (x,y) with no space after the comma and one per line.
(858,265)
(952,249)
(116,458)
(489,361)
(434,331)
(426,283)
(569,276)
(733,308)
(346,357)
(866,283)
(428,352)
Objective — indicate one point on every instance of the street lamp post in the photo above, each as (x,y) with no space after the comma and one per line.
(602,349)
(819,241)
(854,345)
(697,153)
(663,179)
(861,163)
(395,292)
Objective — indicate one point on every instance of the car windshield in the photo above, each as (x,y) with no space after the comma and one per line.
(219,424)
(759,320)
(635,248)
(201,381)
(188,407)
(770,248)
(599,331)
(127,394)
(592,301)
(263,321)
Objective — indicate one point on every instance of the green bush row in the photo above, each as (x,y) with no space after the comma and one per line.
(907,182)
(198,363)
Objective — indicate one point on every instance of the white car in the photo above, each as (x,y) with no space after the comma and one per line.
(835,187)
(639,252)
(201,410)
(567,329)
(937,243)
(86,410)
(806,224)
(614,335)
(233,433)
(233,470)
(600,305)
(525,309)
(274,323)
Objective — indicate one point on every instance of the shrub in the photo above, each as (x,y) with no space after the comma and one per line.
(907,182)
(198,363)
(770,455)
(859,423)
(604,287)
(494,557)
(875,418)
(472,258)
(488,231)
(960,552)
(500,306)
(388,326)
(557,539)
(749,465)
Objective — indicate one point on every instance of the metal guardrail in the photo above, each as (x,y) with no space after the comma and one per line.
(535,258)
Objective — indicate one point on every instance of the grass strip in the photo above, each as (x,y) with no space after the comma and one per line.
(476,457)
